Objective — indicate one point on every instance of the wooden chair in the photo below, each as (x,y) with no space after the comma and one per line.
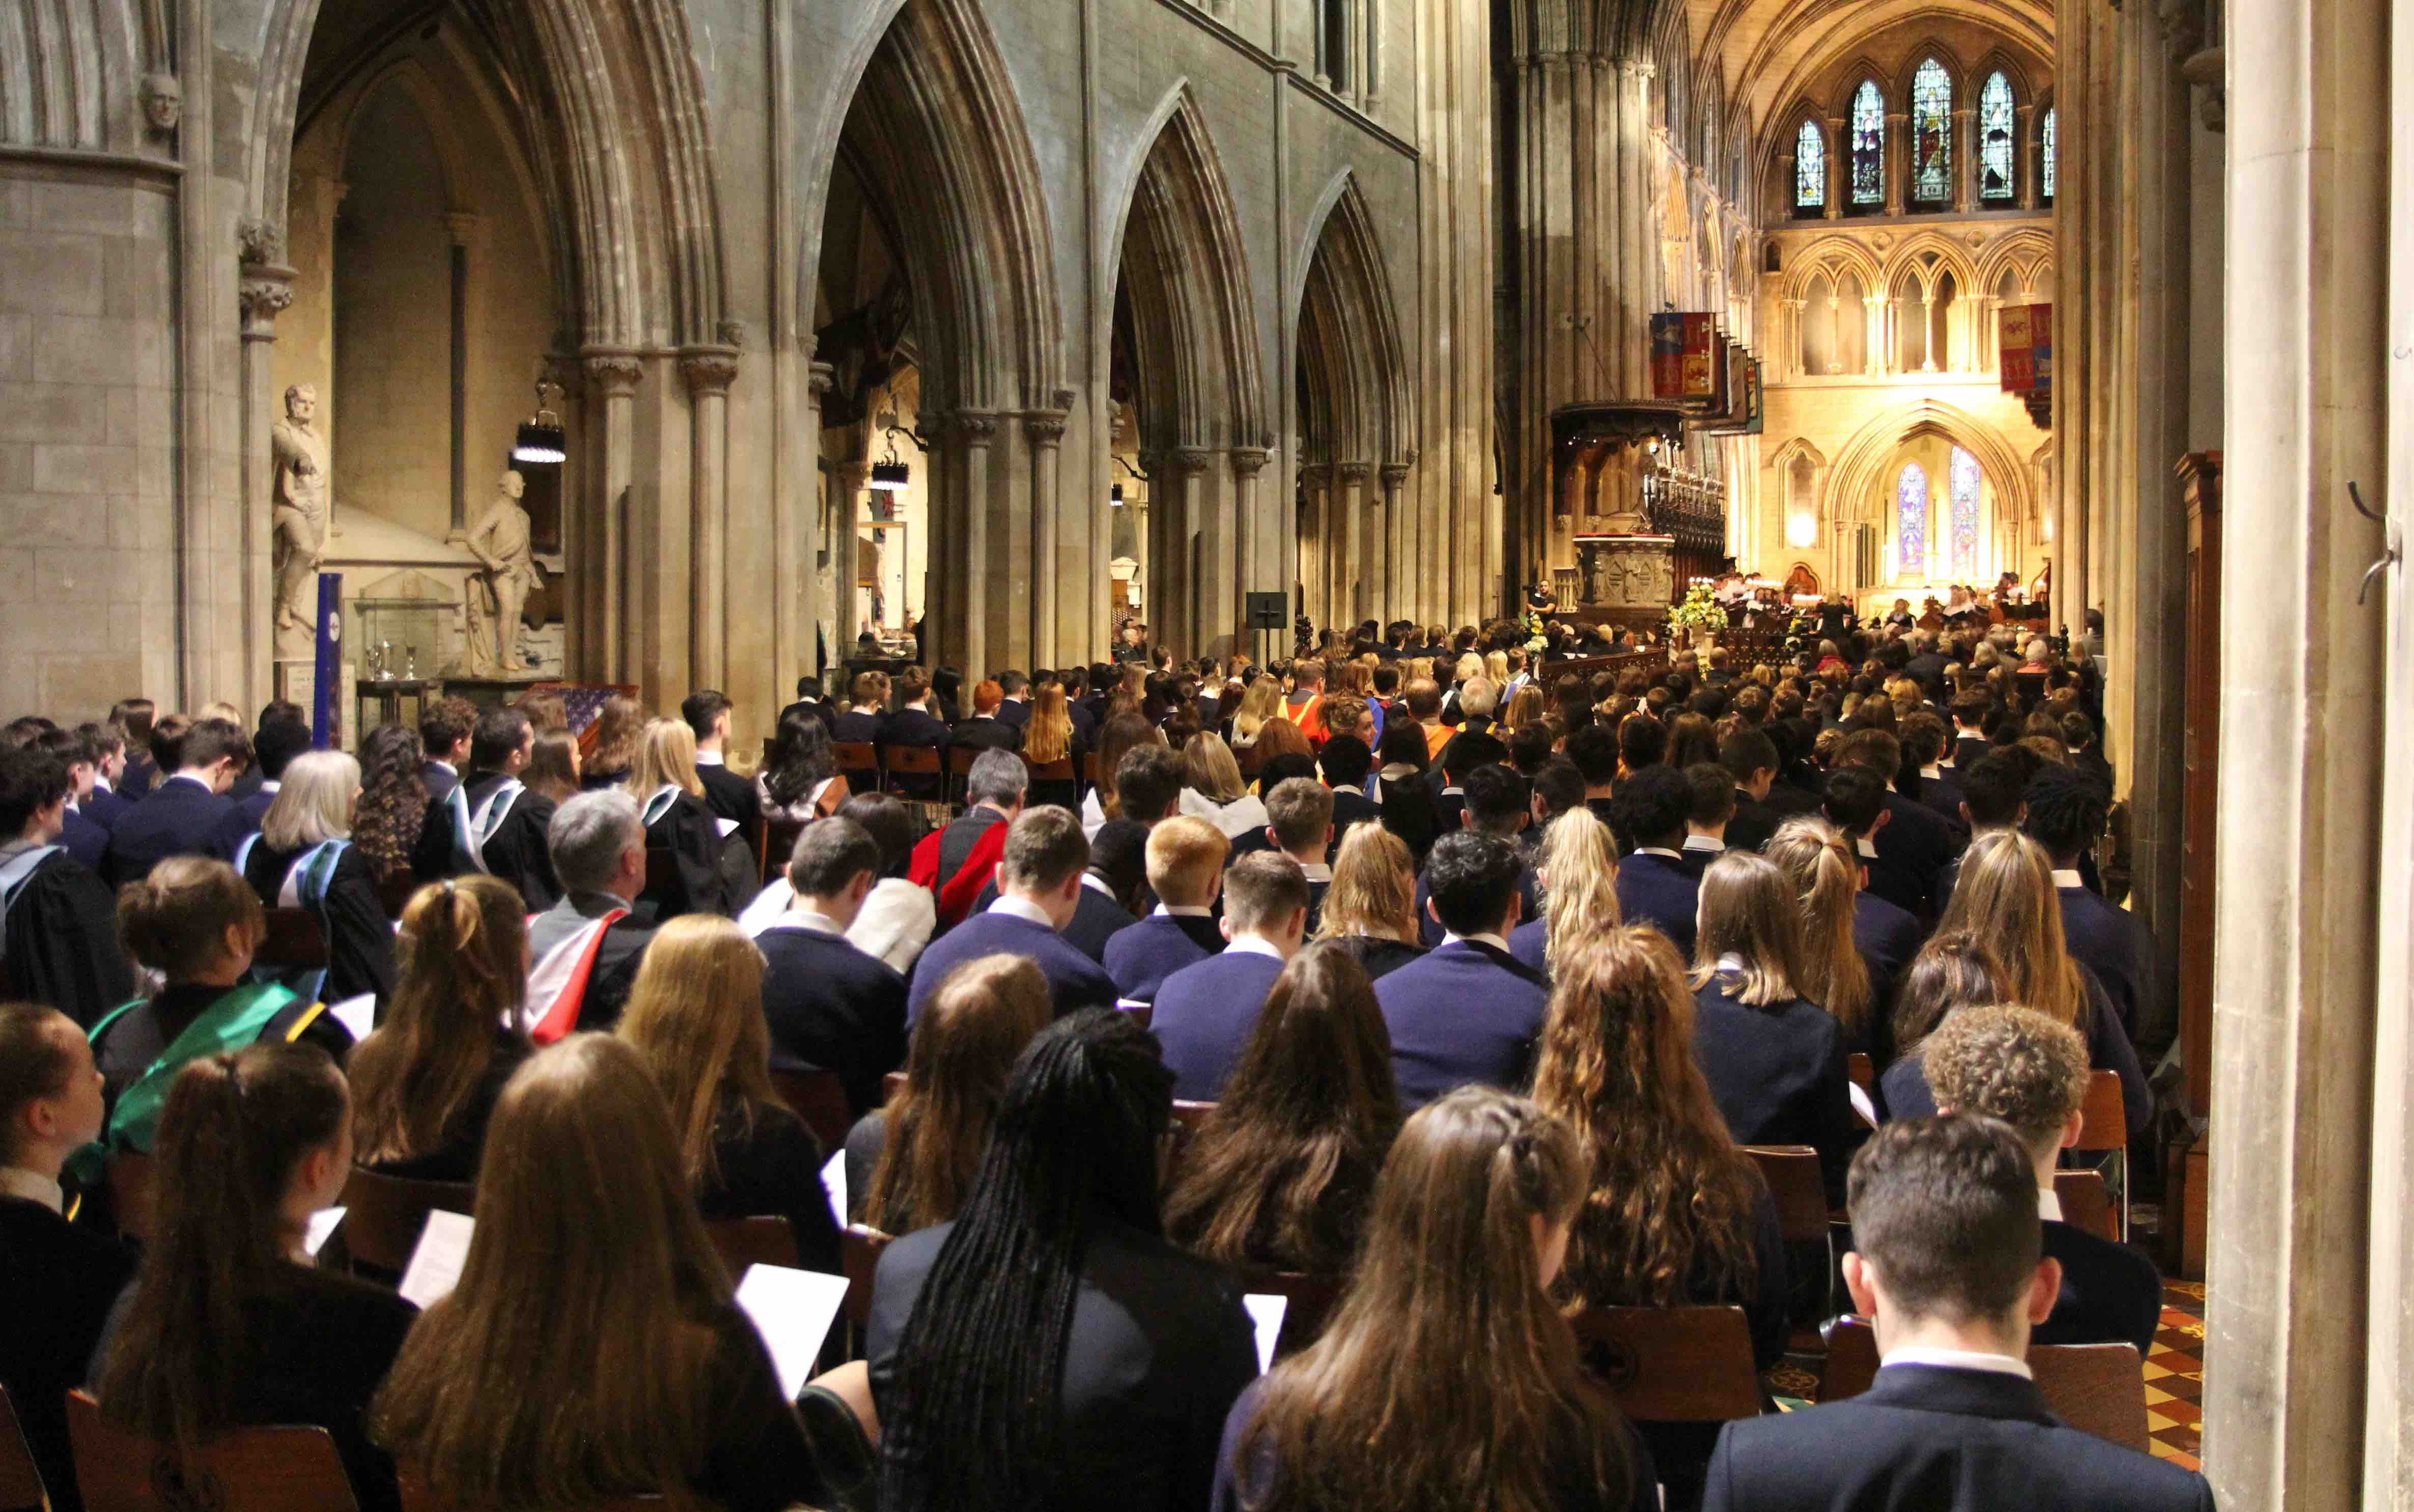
(1312,1300)
(819,1098)
(1190,1115)
(1144,1015)
(2096,1388)
(1852,1361)
(295,938)
(914,761)
(762,1240)
(416,1497)
(2105,1132)
(776,842)
(1059,770)
(130,1192)
(2086,1204)
(1792,1172)
(1089,769)
(249,1470)
(859,1248)
(20,1479)
(383,1215)
(394,891)
(1862,1069)
(959,785)
(858,763)
(1672,1364)
(1188,1118)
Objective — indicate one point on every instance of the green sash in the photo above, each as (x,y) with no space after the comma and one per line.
(230,1023)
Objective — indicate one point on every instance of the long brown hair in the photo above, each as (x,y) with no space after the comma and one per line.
(461,958)
(1446,1311)
(618,725)
(570,1364)
(233,1130)
(1283,1170)
(552,770)
(1122,732)
(2004,898)
(1048,734)
(695,1016)
(963,1048)
(1747,910)
(1671,1200)
(1374,889)
(1954,969)
(1580,882)
(1826,878)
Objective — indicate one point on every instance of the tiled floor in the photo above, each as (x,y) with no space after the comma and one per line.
(2175,1376)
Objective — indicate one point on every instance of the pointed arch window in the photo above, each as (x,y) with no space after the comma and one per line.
(1965,516)
(1995,154)
(1868,145)
(2046,156)
(1810,168)
(1911,523)
(1931,134)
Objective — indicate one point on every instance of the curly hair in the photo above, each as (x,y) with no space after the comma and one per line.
(2010,1063)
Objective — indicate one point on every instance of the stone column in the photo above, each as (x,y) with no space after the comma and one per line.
(266,287)
(2027,156)
(847,483)
(1840,166)
(1045,430)
(461,227)
(1348,541)
(972,435)
(1260,563)
(1965,160)
(1396,602)
(1897,163)
(1877,353)
(708,371)
(1315,543)
(612,377)
(1456,208)
(1191,552)
(796,522)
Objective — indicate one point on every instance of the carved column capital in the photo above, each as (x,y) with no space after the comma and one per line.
(265,290)
(819,378)
(614,373)
(1249,460)
(1192,460)
(1395,474)
(1317,475)
(708,370)
(563,372)
(974,427)
(1044,427)
(1353,472)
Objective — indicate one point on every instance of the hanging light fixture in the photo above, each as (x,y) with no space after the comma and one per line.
(890,475)
(542,438)
(1115,496)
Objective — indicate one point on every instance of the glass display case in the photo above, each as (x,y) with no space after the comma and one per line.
(393,639)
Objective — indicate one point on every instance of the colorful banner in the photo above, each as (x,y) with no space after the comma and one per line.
(2025,341)
(1685,357)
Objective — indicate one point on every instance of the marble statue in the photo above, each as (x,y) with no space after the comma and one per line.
(499,591)
(298,502)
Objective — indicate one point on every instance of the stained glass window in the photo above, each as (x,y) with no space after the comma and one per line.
(1868,144)
(2045,156)
(1911,529)
(1995,140)
(1810,168)
(1931,134)
(1965,516)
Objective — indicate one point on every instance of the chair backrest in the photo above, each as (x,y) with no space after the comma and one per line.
(779,844)
(130,1192)
(1188,1118)
(819,1098)
(383,1215)
(892,1084)
(1312,1300)
(1059,770)
(1862,1069)
(959,761)
(661,871)
(294,938)
(762,1240)
(1090,768)
(1792,1172)
(1143,1014)
(394,889)
(249,1470)
(2106,1125)
(855,756)
(1672,1364)
(2096,1388)
(859,1252)
(1852,1362)
(416,1497)
(1191,1115)
(913,761)
(2086,1204)
(20,1479)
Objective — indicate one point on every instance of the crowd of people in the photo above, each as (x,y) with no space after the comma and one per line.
(1473,980)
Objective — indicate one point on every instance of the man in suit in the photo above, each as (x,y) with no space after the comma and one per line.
(1994,795)
(1949,1263)
(85,838)
(581,966)
(1886,935)
(985,730)
(1594,749)
(729,797)
(2066,814)
(957,862)
(273,748)
(1344,761)
(1186,865)
(1040,891)
(809,701)
(2018,1065)
(61,1278)
(101,802)
(492,815)
(830,1006)
(1922,747)
(1499,803)
(1014,700)
(1654,885)
(184,814)
(1078,708)
(2086,751)
(1914,846)
(445,730)
(1467,1010)
(1206,1011)
(1705,822)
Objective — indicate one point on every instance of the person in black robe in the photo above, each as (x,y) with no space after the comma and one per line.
(58,921)
(515,849)
(360,940)
(682,849)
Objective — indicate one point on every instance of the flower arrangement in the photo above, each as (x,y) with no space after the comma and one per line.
(1699,611)
(1536,635)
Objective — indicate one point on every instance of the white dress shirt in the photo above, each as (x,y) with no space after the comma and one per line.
(1021,907)
(2068,879)
(2048,1205)
(33,1186)
(1496,941)
(1177,910)
(1255,945)
(1960,1359)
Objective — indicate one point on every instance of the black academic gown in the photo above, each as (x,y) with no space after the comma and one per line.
(692,884)
(360,940)
(515,851)
(61,946)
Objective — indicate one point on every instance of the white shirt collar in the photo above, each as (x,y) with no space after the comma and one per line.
(447,766)
(1253,945)
(1496,941)
(270,784)
(188,777)
(1730,962)
(711,758)
(1703,842)
(808,920)
(1398,770)
(101,784)
(1317,871)
(1097,883)
(1022,908)
(1868,851)
(1929,771)
(1347,788)
(2048,1205)
(2068,879)
(1182,910)
(1961,1360)
(16,1181)
(1657,850)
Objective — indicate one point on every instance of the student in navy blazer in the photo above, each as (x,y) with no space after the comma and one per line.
(1949,1264)
(1040,891)
(1468,1010)
(1186,868)
(2066,816)
(272,750)
(1498,801)
(184,813)
(1205,1012)
(830,1006)
(1654,885)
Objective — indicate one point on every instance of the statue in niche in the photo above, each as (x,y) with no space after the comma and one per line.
(298,504)
(498,593)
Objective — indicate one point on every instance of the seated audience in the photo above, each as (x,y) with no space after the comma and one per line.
(553,767)
(2019,1066)
(1279,1176)
(1186,869)
(1911,849)
(612,755)
(1116,739)
(1885,932)
(393,797)
(444,731)
(2066,814)
(60,1278)
(985,731)
(1579,879)
(1775,1061)
(425,1082)
(829,1006)
(1953,972)
(731,797)
(1674,1214)
(1469,1011)
(1825,875)
(910,1161)
(490,823)
(1149,783)
(896,917)
(1447,1378)
(584,951)
(228,1324)
(957,861)
(1345,763)
(1706,821)
(1100,1358)
(1299,825)
(1493,800)
(925,709)
(1114,888)
(1410,809)
(186,814)
(1370,911)
(58,924)
(1654,887)
(1214,790)
(619,1367)
(302,857)
(801,781)
(670,802)
(273,748)
(1949,1264)
(1050,736)
(1039,872)
(695,1016)
(1205,1012)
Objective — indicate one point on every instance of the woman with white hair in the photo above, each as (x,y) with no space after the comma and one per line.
(304,858)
